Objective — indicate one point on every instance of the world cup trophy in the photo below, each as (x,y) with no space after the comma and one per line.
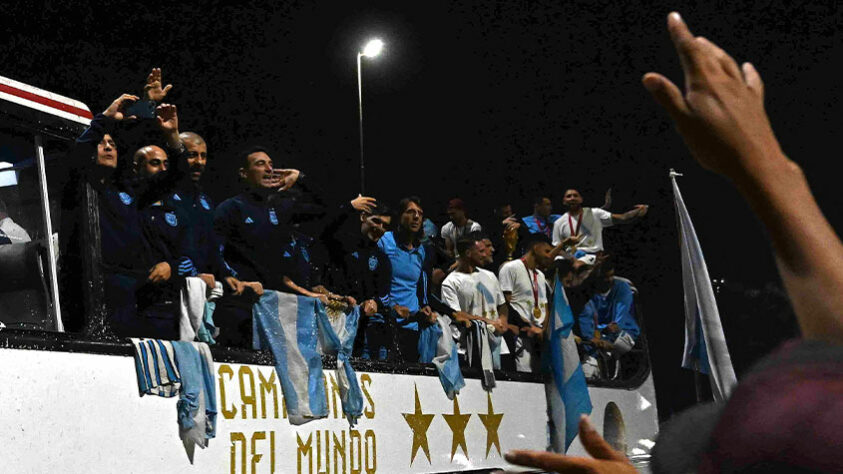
(510,240)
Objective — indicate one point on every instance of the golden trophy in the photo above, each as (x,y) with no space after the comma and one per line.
(510,241)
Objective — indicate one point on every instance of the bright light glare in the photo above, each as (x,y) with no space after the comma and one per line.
(373,48)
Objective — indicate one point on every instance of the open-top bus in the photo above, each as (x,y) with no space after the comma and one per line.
(69,401)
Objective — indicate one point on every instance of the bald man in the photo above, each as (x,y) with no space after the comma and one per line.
(158,305)
(150,160)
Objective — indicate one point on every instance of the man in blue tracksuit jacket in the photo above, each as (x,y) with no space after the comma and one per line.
(254,229)
(128,260)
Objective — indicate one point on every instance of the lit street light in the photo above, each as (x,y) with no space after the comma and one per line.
(372,49)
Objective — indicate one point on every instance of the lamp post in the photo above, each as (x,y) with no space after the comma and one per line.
(372,49)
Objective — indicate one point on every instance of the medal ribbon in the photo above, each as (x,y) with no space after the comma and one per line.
(571,225)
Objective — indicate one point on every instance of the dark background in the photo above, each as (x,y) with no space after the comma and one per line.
(489,101)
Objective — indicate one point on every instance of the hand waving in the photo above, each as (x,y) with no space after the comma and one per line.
(363,203)
(721,115)
(152,89)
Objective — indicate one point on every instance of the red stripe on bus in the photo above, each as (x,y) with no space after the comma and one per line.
(45,101)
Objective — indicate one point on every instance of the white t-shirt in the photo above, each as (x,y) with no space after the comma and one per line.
(453,233)
(593,222)
(14,232)
(477,293)
(515,278)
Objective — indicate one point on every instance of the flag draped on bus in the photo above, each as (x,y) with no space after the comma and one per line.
(567,392)
(705,345)
(298,330)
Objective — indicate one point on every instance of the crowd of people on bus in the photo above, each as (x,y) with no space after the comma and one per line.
(157,227)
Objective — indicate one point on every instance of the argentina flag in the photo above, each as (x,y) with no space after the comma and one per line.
(567,392)
(298,330)
(705,344)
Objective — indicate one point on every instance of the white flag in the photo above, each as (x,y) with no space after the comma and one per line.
(705,345)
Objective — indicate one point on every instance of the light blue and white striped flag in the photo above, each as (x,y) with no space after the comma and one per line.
(298,330)
(156,367)
(567,392)
(705,345)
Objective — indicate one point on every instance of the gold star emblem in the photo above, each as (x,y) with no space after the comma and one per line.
(492,421)
(457,421)
(419,423)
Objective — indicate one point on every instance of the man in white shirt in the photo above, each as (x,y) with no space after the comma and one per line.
(473,290)
(458,227)
(587,223)
(525,289)
(10,232)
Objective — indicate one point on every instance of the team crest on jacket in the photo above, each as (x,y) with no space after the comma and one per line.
(204,203)
(373,263)
(171,219)
(272,217)
(125,198)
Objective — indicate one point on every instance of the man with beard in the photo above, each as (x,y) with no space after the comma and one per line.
(158,309)
(128,261)
(358,268)
(198,252)
(412,306)
(586,224)
(525,289)
(476,291)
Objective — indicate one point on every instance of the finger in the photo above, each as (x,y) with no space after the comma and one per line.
(595,444)
(667,95)
(167,89)
(548,461)
(753,79)
(684,43)
(726,62)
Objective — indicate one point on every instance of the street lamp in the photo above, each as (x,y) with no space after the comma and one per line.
(372,49)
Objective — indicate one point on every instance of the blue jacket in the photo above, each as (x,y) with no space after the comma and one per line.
(615,307)
(198,247)
(254,229)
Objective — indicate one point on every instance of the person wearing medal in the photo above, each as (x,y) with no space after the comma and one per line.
(583,226)
(542,219)
(525,290)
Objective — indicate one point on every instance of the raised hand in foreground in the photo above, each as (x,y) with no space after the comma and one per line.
(606,460)
(722,119)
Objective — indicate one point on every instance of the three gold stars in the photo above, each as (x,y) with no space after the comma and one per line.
(457,421)
(419,422)
(492,421)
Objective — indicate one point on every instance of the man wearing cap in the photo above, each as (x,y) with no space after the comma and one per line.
(525,289)
(457,227)
(587,223)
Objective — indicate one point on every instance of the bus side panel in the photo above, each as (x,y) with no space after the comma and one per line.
(71,412)
(628,419)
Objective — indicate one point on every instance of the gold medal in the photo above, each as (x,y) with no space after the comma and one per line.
(537,312)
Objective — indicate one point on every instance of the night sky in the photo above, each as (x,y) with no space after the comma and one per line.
(488,101)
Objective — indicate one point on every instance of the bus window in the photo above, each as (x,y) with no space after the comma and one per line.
(28,243)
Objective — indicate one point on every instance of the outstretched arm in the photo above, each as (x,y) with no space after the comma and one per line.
(722,119)
(637,212)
